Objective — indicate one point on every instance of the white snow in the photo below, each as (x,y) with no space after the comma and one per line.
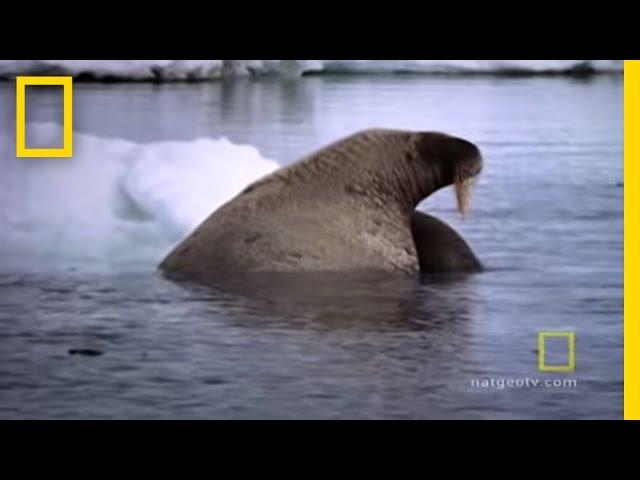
(171,70)
(123,69)
(469,66)
(116,196)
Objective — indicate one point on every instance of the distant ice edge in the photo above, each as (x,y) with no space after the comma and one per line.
(198,70)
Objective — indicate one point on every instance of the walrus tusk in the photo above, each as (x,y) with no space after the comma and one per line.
(463,195)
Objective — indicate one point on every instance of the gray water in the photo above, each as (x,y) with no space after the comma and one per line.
(546,220)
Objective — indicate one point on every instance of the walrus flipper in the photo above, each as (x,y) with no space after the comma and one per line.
(440,248)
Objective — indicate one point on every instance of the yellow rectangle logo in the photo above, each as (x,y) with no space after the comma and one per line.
(570,366)
(22,150)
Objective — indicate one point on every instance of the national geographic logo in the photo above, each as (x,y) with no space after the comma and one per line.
(22,150)
(561,339)
(556,354)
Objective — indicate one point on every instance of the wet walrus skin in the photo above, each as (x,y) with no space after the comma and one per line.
(440,248)
(345,208)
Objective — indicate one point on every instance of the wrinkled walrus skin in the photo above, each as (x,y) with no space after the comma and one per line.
(345,208)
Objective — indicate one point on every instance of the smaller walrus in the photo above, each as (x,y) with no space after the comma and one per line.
(440,248)
(348,207)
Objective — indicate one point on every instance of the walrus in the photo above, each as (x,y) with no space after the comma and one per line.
(440,248)
(348,207)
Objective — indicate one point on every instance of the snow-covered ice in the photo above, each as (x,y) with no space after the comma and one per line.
(177,70)
(117,195)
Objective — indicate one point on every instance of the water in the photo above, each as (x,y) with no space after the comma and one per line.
(546,220)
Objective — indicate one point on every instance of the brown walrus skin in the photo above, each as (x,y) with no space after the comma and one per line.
(345,208)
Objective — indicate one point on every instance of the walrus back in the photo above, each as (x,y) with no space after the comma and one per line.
(245,238)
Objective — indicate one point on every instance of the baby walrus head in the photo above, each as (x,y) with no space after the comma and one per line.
(449,160)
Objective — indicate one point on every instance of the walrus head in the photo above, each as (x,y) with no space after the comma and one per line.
(450,161)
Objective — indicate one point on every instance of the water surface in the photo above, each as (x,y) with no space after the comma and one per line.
(546,220)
